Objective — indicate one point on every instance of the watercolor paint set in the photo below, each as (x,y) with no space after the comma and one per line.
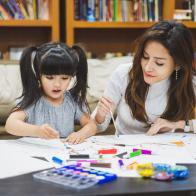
(75,177)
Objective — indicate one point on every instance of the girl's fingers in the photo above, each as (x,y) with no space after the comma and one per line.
(77,140)
(52,132)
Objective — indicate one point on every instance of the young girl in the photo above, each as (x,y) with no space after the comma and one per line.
(48,109)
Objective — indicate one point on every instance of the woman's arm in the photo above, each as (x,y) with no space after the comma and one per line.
(15,125)
(162,125)
(88,129)
(113,93)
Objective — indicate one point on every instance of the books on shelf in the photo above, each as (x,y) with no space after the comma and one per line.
(118,10)
(24,9)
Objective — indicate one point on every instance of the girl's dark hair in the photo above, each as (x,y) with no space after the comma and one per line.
(52,59)
(177,39)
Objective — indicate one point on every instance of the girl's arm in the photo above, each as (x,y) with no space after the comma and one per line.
(15,125)
(88,129)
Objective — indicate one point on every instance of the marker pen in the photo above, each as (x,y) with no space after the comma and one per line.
(120,163)
(144,151)
(136,153)
(58,160)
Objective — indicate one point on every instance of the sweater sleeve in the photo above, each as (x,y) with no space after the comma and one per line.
(194,120)
(114,90)
(194,84)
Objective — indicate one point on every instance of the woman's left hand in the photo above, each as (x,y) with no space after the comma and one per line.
(75,138)
(160,126)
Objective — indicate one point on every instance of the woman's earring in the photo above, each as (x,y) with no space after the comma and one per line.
(176,74)
(177,69)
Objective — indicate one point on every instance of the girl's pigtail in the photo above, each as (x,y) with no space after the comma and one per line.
(80,89)
(30,80)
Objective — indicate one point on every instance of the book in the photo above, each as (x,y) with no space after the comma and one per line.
(18,13)
(29,4)
(91,11)
(4,14)
(22,8)
(43,9)
(5,5)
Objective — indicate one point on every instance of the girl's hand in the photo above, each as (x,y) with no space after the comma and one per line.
(75,138)
(104,107)
(160,126)
(47,132)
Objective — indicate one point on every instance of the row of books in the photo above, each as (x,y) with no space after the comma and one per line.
(24,9)
(118,10)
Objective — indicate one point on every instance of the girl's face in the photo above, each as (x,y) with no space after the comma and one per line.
(156,63)
(54,87)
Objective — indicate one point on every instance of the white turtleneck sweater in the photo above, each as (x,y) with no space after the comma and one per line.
(115,90)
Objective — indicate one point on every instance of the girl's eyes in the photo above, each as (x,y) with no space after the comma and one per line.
(52,77)
(65,78)
(49,77)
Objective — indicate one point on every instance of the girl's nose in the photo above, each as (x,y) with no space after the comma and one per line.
(57,83)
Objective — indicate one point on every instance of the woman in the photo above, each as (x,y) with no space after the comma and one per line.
(157,93)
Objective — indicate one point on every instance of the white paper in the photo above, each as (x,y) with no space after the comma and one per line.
(16,163)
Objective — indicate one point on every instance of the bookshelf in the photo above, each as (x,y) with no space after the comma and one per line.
(101,37)
(25,32)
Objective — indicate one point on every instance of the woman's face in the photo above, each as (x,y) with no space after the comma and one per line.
(156,62)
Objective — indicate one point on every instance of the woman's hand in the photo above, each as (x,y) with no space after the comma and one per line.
(161,125)
(105,106)
(45,131)
(75,138)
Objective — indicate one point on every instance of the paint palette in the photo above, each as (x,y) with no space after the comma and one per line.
(75,177)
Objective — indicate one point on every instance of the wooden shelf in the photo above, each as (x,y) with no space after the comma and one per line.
(107,25)
(189,24)
(25,23)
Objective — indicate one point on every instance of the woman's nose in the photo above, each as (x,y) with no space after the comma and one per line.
(149,65)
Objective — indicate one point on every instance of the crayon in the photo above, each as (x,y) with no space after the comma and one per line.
(144,151)
(108,151)
(101,164)
(136,153)
(79,156)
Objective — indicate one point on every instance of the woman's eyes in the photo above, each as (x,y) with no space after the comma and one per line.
(157,63)
(145,57)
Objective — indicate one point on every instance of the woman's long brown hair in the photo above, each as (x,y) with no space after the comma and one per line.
(177,39)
